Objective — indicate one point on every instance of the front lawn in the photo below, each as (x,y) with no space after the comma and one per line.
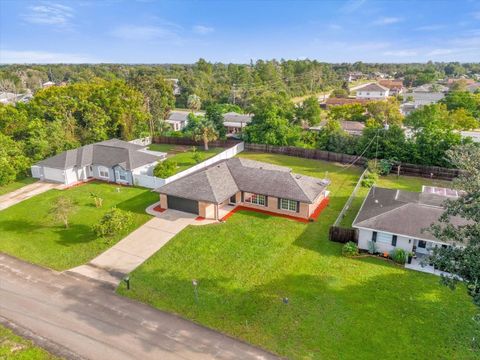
(337,308)
(17,184)
(183,155)
(29,232)
(13,347)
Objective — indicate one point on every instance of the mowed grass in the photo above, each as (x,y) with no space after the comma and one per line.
(338,308)
(17,184)
(183,155)
(14,347)
(29,232)
(408,183)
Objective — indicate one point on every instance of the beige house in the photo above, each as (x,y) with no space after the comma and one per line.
(212,192)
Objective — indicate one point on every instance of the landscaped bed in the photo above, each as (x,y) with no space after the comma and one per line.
(30,233)
(183,154)
(337,307)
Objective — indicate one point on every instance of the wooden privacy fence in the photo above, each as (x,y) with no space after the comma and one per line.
(342,235)
(190,142)
(433,172)
(307,153)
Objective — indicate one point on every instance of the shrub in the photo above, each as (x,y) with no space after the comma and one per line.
(385,166)
(369,179)
(372,248)
(350,249)
(165,169)
(113,222)
(399,255)
(196,156)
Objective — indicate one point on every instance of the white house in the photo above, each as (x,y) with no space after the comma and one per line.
(111,160)
(390,219)
(178,119)
(235,122)
(372,91)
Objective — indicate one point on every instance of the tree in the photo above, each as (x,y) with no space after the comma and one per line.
(463,100)
(462,120)
(349,112)
(194,102)
(385,112)
(165,169)
(309,112)
(13,163)
(462,262)
(113,222)
(339,93)
(205,131)
(214,114)
(62,208)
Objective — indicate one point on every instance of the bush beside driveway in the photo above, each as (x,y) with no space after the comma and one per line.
(337,307)
(29,232)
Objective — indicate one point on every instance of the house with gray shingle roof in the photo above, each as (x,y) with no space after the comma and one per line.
(245,182)
(390,219)
(372,91)
(111,160)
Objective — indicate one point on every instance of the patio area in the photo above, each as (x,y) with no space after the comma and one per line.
(417,265)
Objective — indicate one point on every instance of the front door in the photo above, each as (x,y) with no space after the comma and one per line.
(233,200)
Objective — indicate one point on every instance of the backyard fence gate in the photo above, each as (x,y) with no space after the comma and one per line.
(342,235)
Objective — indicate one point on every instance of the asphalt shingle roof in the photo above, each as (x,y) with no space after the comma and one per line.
(222,180)
(372,87)
(402,212)
(107,153)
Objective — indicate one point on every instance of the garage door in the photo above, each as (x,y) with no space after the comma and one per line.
(177,203)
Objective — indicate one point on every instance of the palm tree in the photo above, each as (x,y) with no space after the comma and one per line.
(194,102)
(205,131)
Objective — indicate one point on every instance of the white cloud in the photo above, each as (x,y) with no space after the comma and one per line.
(352,5)
(42,57)
(401,53)
(202,30)
(387,21)
(48,13)
(429,27)
(144,33)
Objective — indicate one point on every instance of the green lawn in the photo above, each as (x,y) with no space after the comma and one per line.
(183,155)
(338,308)
(16,185)
(390,181)
(13,347)
(29,232)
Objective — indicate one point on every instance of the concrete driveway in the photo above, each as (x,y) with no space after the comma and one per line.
(25,192)
(112,265)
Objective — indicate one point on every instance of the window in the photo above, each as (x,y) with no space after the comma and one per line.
(384,238)
(422,244)
(290,205)
(103,172)
(256,199)
(374,236)
(394,240)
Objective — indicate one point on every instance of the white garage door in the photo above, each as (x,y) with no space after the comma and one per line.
(51,174)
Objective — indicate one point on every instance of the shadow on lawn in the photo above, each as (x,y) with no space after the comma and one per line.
(139,203)
(19,226)
(74,234)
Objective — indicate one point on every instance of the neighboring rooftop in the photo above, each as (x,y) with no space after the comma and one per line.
(180,115)
(236,117)
(372,88)
(107,153)
(224,179)
(430,88)
(348,126)
(402,212)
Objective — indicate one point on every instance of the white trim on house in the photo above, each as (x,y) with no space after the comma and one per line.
(288,205)
(103,169)
(402,235)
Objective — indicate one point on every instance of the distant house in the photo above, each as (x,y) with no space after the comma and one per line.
(212,192)
(390,219)
(415,100)
(430,88)
(395,86)
(13,98)
(329,102)
(111,160)
(354,76)
(354,128)
(473,87)
(178,119)
(452,81)
(372,91)
(176,87)
(474,135)
(234,122)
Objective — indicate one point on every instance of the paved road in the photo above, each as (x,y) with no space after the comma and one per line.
(25,192)
(129,253)
(94,323)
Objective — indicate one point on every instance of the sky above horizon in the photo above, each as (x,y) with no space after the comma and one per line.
(182,31)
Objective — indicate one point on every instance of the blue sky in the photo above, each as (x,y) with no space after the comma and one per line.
(149,31)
